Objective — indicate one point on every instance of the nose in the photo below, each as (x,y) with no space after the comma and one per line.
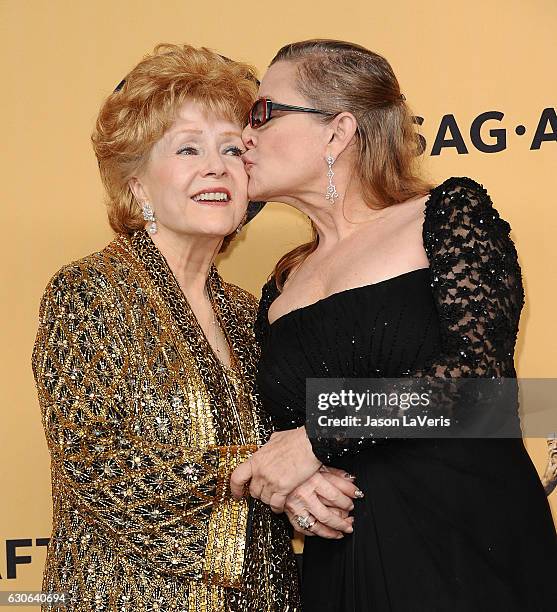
(248,137)
(214,164)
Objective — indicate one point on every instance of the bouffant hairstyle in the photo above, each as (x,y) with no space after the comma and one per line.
(336,76)
(144,105)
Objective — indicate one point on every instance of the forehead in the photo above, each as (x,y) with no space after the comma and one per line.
(279,83)
(193,115)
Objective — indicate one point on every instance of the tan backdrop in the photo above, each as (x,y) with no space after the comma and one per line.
(61,57)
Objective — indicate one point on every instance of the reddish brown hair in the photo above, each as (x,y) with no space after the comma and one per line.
(337,76)
(136,115)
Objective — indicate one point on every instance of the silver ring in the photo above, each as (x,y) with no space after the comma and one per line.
(304,522)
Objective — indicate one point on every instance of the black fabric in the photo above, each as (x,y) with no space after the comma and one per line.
(456,525)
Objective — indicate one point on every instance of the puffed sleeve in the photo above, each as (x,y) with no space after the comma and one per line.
(477,288)
(157,498)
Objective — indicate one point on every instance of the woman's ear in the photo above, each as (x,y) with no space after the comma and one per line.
(342,128)
(138,190)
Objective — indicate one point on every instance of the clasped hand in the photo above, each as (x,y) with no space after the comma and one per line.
(286,475)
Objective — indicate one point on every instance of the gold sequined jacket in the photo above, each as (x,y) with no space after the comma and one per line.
(144,427)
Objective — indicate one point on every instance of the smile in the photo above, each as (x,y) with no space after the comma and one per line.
(213,197)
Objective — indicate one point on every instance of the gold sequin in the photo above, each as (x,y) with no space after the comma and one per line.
(144,427)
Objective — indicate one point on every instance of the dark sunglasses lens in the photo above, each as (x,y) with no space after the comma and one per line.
(257,114)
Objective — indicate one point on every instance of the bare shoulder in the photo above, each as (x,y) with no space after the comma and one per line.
(414,209)
(401,223)
(391,246)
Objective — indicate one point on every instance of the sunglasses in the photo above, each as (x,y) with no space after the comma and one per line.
(262,111)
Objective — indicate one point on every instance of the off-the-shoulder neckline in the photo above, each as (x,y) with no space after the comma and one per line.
(465,181)
(343,293)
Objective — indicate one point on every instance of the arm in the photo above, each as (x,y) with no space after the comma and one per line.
(156,498)
(477,287)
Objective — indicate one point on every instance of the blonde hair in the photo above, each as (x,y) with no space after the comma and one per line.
(143,107)
(336,76)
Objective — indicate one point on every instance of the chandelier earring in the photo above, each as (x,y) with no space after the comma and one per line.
(331,189)
(242,223)
(149,215)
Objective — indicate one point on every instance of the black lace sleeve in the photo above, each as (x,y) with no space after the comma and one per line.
(477,286)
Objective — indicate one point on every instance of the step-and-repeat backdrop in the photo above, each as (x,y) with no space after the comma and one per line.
(480,77)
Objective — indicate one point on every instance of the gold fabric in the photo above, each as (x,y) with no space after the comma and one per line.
(144,426)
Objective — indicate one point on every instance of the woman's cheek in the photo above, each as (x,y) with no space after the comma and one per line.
(241,179)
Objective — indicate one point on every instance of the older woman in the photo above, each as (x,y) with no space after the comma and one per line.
(401,280)
(145,360)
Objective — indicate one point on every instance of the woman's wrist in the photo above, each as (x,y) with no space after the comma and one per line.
(317,450)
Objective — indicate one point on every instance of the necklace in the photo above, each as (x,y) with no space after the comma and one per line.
(215,338)
(215,324)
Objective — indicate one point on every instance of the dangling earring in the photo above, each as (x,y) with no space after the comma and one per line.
(242,223)
(149,215)
(331,189)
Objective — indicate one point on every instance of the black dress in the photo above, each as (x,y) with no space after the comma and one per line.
(459,525)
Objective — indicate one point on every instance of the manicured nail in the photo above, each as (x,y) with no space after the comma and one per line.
(339,536)
(359,494)
(349,476)
(349,530)
(351,507)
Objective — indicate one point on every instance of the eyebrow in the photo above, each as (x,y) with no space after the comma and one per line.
(192,131)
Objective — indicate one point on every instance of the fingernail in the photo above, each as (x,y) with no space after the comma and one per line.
(359,494)
(339,536)
(350,476)
(349,530)
(351,507)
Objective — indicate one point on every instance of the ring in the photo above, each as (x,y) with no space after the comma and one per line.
(304,522)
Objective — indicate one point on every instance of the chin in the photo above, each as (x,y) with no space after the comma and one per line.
(265,193)
(217,232)
(258,195)
(212,230)
(255,191)
(214,223)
